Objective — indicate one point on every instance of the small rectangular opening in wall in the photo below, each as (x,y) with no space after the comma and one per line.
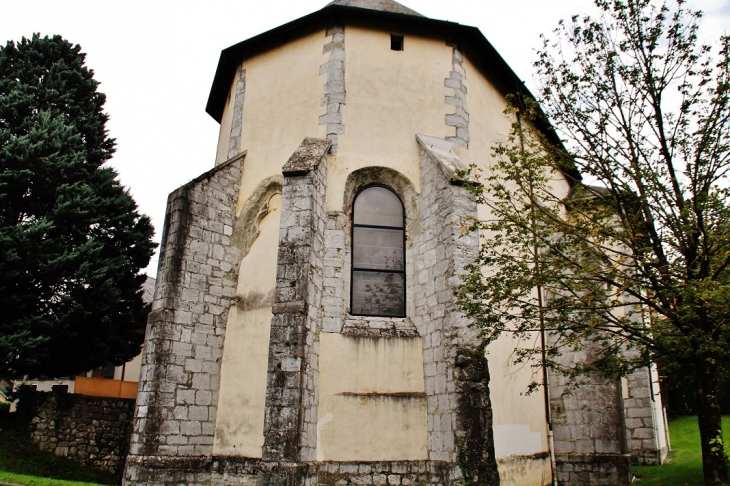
(396,42)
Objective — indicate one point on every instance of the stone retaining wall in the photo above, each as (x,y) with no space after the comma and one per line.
(91,431)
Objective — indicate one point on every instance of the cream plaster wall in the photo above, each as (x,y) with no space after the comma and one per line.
(658,409)
(131,369)
(518,419)
(224,135)
(391,96)
(519,424)
(281,107)
(520,429)
(488,124)
(372,405)
(239,427)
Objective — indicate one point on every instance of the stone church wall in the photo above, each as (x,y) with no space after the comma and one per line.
(457,376)
(341,399)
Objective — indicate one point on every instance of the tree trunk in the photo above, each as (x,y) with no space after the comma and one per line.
(709,416)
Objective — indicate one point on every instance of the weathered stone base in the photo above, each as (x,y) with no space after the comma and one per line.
(402,472)
(154,471)
(649,458)
(585,469)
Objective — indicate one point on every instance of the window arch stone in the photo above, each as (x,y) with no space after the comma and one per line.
(246,229)
(374,326)
(384,176)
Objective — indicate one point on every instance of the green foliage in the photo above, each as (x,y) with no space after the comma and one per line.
(685,464)
(680,388)
(71,239)
(630,264)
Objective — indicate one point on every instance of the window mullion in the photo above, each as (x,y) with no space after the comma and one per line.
(378,275)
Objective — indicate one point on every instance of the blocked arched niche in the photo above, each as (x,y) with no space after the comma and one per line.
(239,427)
(248,222)
(392,179)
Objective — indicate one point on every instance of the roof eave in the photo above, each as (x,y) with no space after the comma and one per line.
(231,56)
(506,80)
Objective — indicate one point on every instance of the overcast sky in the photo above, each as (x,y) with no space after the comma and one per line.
(156,59)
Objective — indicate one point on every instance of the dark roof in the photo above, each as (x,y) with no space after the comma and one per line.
(382,5)
(470,39)
(381,12)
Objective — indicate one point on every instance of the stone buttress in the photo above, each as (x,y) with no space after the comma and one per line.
(176,414)
(178,391)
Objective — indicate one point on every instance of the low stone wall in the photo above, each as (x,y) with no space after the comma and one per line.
(91,431)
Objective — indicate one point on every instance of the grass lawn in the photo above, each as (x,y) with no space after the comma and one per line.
(685,466)
(24,479)
(22,463)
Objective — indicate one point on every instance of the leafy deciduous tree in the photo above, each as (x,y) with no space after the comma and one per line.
(636,263)
(71,240)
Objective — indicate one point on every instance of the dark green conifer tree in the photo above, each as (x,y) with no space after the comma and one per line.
(71,240)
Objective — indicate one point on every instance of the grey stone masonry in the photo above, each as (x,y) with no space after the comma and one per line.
(234,142)
(196,281)
(641,429)
(443,152)
(588,427)
(459,419)
(639,395)
(334,89)
(335,272)
(406,473)
(290,420)
(91,431)
(373,327)
(460,118)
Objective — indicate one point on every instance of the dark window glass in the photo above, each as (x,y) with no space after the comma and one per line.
(378,254)
(378,206)
(109,371)
(396,42)
(378,249)
(378,293)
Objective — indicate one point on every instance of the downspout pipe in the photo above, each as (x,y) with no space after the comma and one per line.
(540,304)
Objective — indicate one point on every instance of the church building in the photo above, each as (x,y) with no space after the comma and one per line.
(304,328)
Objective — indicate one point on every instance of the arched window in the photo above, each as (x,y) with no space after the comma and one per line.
(378,254)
